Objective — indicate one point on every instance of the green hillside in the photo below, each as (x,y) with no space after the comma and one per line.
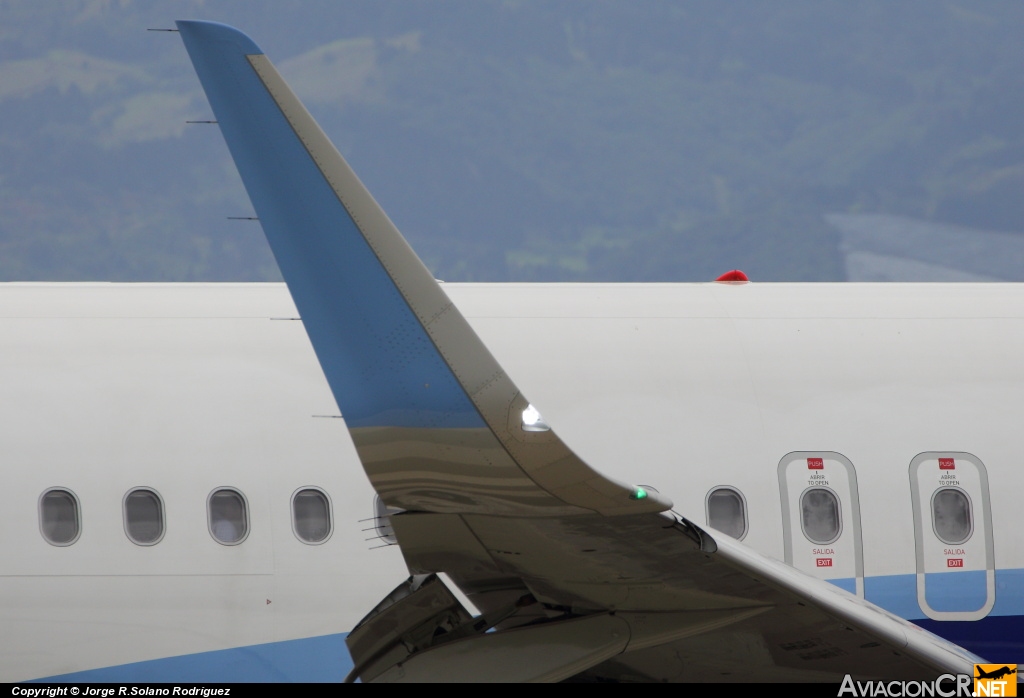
(520,140)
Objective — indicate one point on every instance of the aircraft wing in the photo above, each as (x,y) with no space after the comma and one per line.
(576,574)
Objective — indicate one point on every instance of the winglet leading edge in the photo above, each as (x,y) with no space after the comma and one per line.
(437,422)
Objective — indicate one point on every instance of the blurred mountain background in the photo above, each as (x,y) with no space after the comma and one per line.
(556,140)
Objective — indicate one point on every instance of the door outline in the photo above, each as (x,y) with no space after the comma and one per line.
(787,523)
(919,532)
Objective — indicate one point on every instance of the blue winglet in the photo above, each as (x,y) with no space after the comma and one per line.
(437,423)
(380,362)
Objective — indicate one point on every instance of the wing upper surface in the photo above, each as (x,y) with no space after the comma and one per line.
(683,593)
(506,508)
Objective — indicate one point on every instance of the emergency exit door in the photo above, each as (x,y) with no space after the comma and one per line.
(821,517)
(953,536)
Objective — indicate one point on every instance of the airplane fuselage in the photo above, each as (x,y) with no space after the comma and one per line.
(848,422)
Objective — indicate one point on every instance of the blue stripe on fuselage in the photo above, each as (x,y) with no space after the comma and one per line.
(999,637)
(381,364)
(326,658)
(845,583)
(313,659)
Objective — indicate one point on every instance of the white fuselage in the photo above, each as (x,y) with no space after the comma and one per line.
(187,388)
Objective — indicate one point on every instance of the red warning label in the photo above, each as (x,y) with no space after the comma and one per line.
(824,562)
(947,464)
(815,464)
(954,562)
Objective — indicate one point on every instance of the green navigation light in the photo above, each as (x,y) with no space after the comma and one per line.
(640,493)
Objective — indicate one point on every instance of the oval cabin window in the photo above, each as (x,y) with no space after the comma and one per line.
(311,516)
(143,517)
(59,519)
(727,512)
(951,515)
(820,515)
(229,516)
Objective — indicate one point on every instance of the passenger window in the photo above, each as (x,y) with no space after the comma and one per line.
(311,516)
(143,517)
(951,515)
(59,519)
(727,512)
(819,515)
(229,516)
